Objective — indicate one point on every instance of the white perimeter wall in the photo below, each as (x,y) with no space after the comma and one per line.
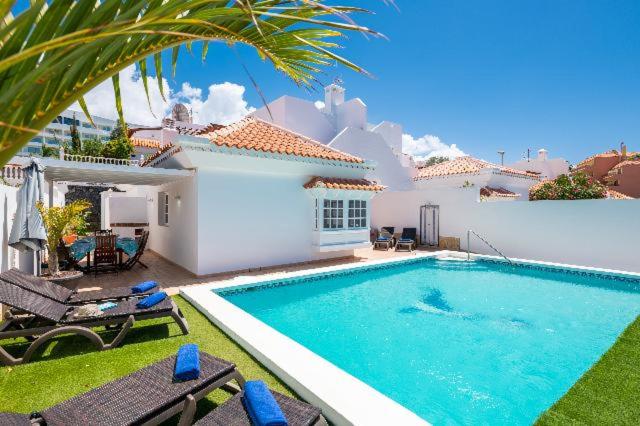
(600,233)
(8,198)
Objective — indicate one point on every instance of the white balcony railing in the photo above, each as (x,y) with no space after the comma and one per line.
(98,160)
(12,174)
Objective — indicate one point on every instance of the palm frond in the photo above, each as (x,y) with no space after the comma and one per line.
(57,50)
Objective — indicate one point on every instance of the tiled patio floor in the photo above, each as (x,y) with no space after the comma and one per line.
(172,277)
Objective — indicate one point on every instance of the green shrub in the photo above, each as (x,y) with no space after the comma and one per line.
(578,186)
(118,148)
(92,148)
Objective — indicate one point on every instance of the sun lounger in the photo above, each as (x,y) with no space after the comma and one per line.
(146,397)
(40,319)
(386,239)
(407,240)
(62,294)
(232,412)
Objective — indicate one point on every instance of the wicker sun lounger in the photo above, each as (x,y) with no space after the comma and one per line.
(232,413)
(40,319)
(64,295)
(146,397)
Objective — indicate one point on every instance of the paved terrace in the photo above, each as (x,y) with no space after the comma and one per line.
(172,277)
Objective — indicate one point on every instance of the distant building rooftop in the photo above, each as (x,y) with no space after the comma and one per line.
(467,165)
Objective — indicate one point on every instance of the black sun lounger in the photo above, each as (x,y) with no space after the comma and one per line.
(64,295)
(40,319)
(146,397)
(232,413)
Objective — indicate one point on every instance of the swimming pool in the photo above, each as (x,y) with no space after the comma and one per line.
(455,342)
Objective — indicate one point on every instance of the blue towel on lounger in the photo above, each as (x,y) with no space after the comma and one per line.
(152,300)
(383,238)
(262,407)
(405,240)
(106,306)
(143,287)
(187,363)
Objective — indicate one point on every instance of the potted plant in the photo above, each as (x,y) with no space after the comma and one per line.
(59,222)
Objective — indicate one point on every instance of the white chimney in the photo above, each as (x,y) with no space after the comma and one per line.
(542,154)
(333,95)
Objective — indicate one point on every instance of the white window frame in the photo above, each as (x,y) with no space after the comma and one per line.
(335,221)
(357,212)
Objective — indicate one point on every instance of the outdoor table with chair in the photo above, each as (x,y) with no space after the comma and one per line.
(108,250)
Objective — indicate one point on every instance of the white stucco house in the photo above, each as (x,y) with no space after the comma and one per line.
(342,124)
(259,196)
(492,182)
(548,168)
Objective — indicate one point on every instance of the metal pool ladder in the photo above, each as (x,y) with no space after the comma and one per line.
(471,231)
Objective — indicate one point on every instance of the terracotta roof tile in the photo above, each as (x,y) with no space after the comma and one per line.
(488,191)
(254,134)
(145,143)
(626,163)
(617,195)
(465,165)
(339,183)
(586,161)
(147,161)
(193,131)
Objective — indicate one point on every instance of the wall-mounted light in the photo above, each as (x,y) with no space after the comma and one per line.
(177,197)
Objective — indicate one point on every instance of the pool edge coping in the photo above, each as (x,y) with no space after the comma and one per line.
(343,398)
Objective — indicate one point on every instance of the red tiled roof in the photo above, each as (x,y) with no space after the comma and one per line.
(466,165)
(157,154)
(193,131)
(348,184)
(254,134)
(586,161)
(615,195)
(488,191)
(145,143)
(626,163)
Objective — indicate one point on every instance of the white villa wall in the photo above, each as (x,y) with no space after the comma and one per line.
(392,134)
(254,212)
(300,116)
(372,146)
(600,233)
(486,177)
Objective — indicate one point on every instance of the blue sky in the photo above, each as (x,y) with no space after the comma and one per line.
(484,75)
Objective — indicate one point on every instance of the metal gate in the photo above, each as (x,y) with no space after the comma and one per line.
(429,225)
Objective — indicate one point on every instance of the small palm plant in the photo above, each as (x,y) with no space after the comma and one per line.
(55,51)
(59,221)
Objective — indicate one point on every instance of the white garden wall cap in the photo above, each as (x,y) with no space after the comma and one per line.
(468,165)
(344,184)
(255,134)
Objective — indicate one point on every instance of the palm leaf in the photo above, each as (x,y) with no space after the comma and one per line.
(55,51)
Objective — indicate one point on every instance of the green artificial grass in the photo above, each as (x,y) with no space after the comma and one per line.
(71,365)
(607,394)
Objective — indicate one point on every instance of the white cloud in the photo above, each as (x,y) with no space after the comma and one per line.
(101,100)
(224,102)
(319,104)
(428,146)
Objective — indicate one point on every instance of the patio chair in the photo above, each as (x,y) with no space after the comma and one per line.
(62,294)
(407,240)
(142,244)
(105,256)
(386,239)
(148,396)
(40,319)
(232,412)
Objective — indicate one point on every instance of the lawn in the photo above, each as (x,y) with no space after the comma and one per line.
(70,365)
(607,394)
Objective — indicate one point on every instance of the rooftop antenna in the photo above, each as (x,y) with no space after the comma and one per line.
(338,80)
(501,153)
(528,154)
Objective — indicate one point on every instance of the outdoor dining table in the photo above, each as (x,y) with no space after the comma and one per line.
(84,246)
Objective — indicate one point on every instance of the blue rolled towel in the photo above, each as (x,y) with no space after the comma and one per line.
(143,287)
(187,363)
(383,238)
(106,306)
(406,240)
(262,407)
(152,300)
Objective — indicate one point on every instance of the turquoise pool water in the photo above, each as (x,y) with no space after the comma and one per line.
(456,342)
